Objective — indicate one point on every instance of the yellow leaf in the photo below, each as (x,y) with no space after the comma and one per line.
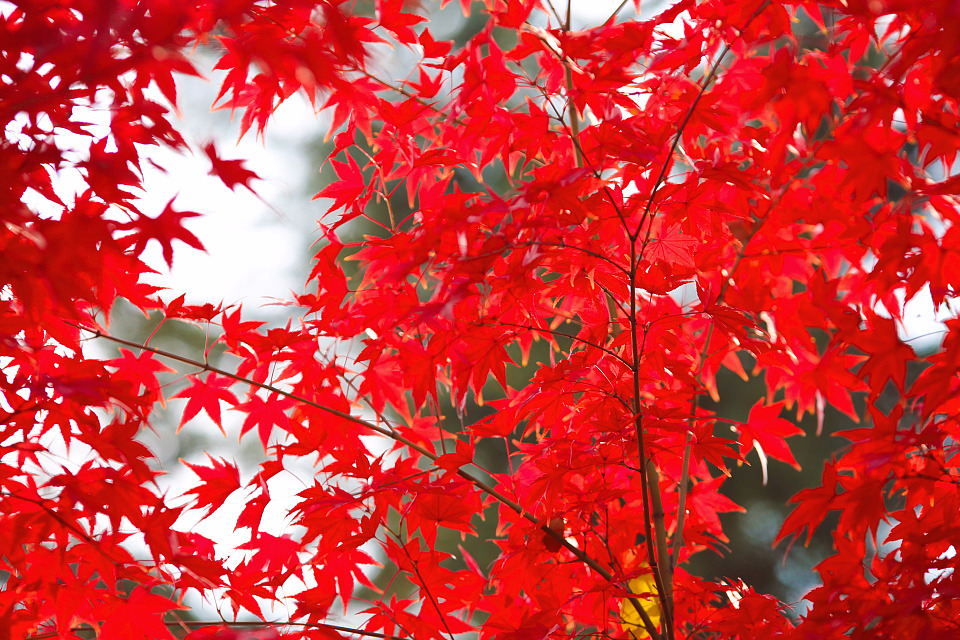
(645,587)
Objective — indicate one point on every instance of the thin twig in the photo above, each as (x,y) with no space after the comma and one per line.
(389,433)
(564,245)
(714,68)
(571,107)
(613,16)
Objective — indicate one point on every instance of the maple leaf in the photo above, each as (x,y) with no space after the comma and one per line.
(207,394)
(139,616)
(237,332)
(218,483)
(275,555)
(203,312)
(812,506)
(165,228)
(393,19)
(559,194)
(143,369)
(252,513)
(230,172)
(431,47)
(230,633)
(644,589)
(673,247)
(767,432)
(888,355)
(348,188)
(434,508)
(264,414)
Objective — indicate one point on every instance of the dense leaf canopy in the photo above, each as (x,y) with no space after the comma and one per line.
(618,213)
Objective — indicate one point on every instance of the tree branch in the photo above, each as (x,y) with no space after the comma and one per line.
(389,433)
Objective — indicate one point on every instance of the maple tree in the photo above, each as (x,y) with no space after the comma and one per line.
(620,211)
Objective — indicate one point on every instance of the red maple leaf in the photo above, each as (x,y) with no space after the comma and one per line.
(265,414)
(768,431)
(218,482)
(524,203)
(673,247)
(813,505)
(441,507)
(165,228)
(230,172)
(140,615)
(207,394)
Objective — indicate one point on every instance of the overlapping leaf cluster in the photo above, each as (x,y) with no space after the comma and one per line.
(717,187)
